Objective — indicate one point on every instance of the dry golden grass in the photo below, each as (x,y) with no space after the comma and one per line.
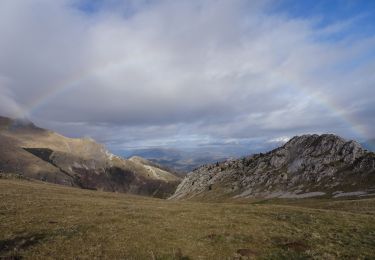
(45,221)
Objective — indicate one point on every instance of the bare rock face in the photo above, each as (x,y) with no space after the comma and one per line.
(306,166)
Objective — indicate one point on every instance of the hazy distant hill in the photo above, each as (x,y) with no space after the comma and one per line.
(45,155)
(180,161)
(186,160)
(306,166)
(369,145)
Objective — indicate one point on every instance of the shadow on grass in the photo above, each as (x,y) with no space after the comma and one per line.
(12,248)
(13,245)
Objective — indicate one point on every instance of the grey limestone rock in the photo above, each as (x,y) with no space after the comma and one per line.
(306,166)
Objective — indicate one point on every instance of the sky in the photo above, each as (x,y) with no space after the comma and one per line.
(189,74)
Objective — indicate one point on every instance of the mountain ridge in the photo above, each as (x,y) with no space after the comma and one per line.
(305,166)
(44,155)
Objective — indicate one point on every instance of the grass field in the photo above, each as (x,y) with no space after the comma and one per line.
(39,220)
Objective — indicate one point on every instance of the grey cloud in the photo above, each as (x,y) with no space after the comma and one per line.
(180,72)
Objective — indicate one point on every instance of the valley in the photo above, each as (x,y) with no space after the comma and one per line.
(187,130)
(66,198)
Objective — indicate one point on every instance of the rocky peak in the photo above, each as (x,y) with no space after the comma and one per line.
(307,164)
(326,147)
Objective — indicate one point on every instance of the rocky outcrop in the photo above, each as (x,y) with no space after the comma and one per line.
(306,166)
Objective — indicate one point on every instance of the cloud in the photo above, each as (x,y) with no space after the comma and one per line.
(8,106)
(182,73)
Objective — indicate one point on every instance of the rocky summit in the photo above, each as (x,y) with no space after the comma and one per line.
(306,166)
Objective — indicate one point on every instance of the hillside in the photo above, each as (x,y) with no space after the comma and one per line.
(45,221)
(45,155)
(306,166)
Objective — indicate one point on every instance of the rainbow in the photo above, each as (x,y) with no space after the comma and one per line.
(66,85)
(358,129)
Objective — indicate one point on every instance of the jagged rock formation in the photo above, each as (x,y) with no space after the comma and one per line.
(306,166)
(40,154)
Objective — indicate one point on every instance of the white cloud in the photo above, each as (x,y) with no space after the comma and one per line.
(281,139)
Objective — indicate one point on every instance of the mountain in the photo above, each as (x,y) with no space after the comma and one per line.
(36,153)
(183,161)
(306,166)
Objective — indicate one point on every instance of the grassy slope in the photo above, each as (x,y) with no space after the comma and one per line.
(39,220)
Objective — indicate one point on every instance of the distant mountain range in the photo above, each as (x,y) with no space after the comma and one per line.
(180,161)
(32,152)
(184,161)
(306,166)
